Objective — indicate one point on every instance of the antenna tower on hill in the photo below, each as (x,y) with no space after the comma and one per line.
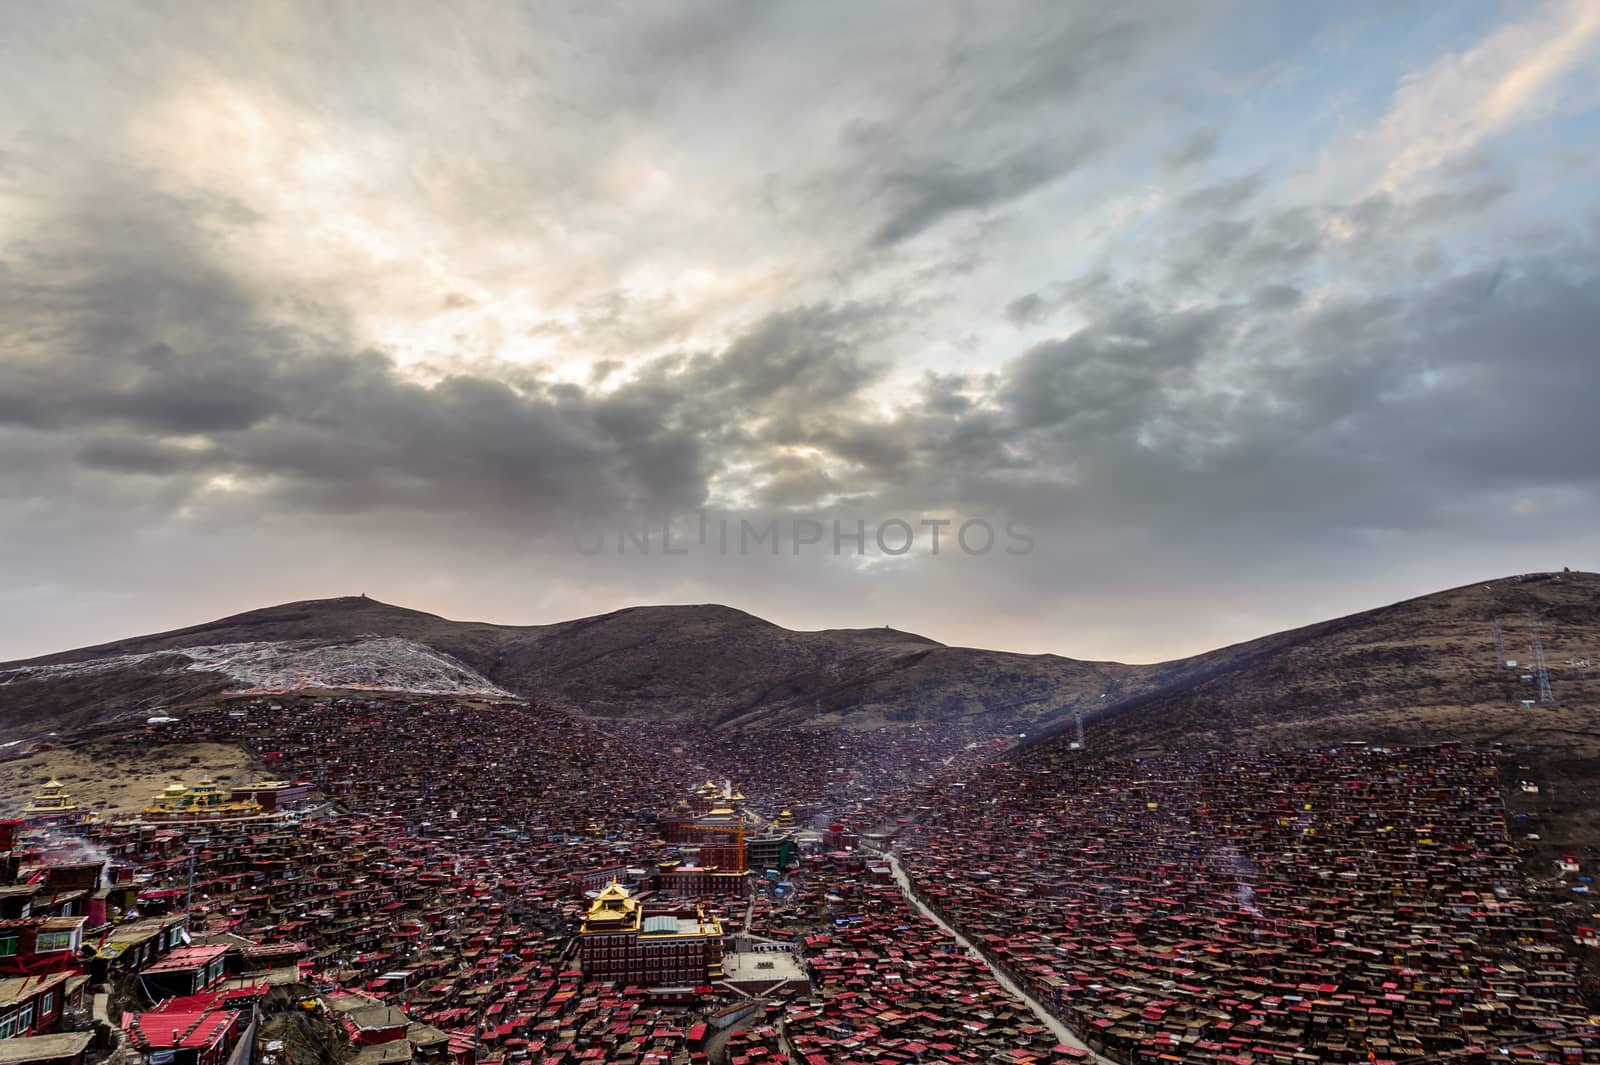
(1546,696)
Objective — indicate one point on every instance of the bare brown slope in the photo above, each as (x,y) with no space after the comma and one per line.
(31,704)
(1423,670)
(343,618)
(710,665)
(722,667)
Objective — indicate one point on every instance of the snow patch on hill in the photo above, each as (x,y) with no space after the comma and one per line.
(379,663)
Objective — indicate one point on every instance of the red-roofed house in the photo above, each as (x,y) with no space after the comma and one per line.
(187,970)
(32,1005)
(184,1038)
(175,1038)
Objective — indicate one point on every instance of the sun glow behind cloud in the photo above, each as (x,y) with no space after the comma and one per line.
(1180,286)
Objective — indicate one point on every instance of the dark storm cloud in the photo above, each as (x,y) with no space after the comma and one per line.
(1008,114)
(1027,308)
(1089,294)
(1224,196)
(202,382)
(1379,412)
(299,419)
(140,456)
(1274,245)
(174,394)
(1238,423)
(21,410)
(796,359)
(1106,374)
(928,191)
(1276,297)
(1195,150)
(432,285)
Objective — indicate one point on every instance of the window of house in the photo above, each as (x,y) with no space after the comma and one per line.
(49,941)
(25,1018)
(8,946)
(8,1025)
(47,1002)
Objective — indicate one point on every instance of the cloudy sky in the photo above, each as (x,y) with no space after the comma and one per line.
(1243,314)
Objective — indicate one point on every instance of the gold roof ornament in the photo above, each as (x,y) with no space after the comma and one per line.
(613,909)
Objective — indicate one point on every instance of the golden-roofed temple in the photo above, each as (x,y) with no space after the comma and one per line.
(53,803)
(613,910)
(51,798)
(713,796)
(619,941)
(202,801)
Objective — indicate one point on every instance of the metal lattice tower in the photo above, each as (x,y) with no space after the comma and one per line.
(1078,715)
(1499,639)
(1546,696)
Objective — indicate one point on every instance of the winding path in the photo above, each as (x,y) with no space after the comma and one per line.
(1046,1018)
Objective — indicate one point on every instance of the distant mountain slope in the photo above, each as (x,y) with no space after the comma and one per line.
(134,676)
(379,662)
(1421,670)
(723,667)
(710,665)
(343,618)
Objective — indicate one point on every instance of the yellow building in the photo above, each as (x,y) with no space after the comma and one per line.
(712,796)
(51,798)
(205,800)
(52,804)
(620,942)
(614,909)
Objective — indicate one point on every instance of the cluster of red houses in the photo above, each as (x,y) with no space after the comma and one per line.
(437,890)
(1345,905)
(504,884)
(445,889)
(860,775)
(71,924)
(45,909)
(882,982)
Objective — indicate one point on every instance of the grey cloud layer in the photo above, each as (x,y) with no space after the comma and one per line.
(1238,373)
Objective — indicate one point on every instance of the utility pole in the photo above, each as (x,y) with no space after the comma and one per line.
(188,898)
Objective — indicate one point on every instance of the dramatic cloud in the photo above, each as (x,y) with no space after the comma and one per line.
(1239,329)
